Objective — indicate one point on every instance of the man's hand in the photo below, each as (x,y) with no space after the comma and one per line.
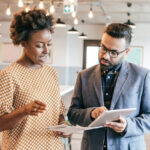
(118,126)
(34,108)
(98,111)
(64,134)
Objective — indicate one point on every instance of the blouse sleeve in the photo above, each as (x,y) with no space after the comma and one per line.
(6,93)
(62,108)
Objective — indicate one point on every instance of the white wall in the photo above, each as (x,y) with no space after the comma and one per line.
(142,38)
(68,49)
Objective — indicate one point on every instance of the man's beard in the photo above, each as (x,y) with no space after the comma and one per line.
(105,67)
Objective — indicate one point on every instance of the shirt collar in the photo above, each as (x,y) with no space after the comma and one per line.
(113,70)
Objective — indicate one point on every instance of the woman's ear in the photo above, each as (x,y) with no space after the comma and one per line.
(23,43)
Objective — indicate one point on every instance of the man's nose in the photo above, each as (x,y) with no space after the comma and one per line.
(106,55)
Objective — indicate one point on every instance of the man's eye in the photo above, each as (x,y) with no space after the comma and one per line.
(114,53)
(49,44)
(104,49)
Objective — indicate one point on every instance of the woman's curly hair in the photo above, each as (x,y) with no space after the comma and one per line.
(24,23)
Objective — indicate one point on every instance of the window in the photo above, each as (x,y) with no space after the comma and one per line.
(90,53)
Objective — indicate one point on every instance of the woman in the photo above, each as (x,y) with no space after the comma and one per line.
(29,92)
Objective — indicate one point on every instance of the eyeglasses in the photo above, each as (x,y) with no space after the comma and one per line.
(112,53)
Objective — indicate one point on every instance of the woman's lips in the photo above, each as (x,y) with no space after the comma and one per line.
(44,58)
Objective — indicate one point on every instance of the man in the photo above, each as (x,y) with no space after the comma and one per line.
(113,84)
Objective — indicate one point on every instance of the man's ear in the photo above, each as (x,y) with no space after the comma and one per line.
(127,51)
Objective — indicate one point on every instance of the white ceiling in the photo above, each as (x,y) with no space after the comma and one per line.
(105,11)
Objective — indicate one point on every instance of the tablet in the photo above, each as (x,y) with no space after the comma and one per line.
(111,115)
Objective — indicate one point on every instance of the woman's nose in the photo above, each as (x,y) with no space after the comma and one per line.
(45,49)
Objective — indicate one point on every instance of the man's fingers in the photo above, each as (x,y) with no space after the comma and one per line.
(98,111)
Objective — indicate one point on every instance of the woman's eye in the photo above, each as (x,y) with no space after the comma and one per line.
(39,46)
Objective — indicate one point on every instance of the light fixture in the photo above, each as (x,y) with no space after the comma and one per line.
(60,23)
(72,1)
(41,4)
(8,11)
(27,8)
(72,8)
(52,8)
(73,31)
(76,21)
(20,3)
(90,15)
(82,36)
(73,14)
(129,22)
(0,35)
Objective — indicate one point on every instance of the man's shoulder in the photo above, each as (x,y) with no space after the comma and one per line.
(91,69)
(138,69)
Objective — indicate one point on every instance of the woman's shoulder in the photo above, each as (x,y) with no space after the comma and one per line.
(50,69)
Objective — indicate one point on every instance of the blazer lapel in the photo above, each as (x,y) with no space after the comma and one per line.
(98,85)
(122,77)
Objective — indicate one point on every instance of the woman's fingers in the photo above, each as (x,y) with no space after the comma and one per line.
(35,107)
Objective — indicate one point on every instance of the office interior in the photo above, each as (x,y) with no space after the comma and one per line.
(69,53)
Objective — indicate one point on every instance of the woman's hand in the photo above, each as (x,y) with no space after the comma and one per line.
(34,108)
(64,134)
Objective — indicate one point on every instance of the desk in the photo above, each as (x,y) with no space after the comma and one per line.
(65,89)
(66,93)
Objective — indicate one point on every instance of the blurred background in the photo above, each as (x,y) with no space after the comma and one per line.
(78,31)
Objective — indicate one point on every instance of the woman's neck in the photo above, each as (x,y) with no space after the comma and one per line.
(27,62)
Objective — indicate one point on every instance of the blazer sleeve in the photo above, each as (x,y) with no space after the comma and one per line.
(141,124)
(77,114)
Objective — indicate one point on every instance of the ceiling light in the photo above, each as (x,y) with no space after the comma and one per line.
(72,1)
(73,14)
(73,31)
(8,11)
(41,4)
(20,3)
(75,21)
(60,23)
(72,7)
(129,22)
(82,36)
(27,9)
(52,9)
(90,15)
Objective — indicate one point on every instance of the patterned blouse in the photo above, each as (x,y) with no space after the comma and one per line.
(19,86)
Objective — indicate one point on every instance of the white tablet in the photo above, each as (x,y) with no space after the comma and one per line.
(111,115)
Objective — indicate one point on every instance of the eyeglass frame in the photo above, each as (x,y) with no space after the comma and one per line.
(109,51)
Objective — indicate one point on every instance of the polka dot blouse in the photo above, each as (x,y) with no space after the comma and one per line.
(19,86)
